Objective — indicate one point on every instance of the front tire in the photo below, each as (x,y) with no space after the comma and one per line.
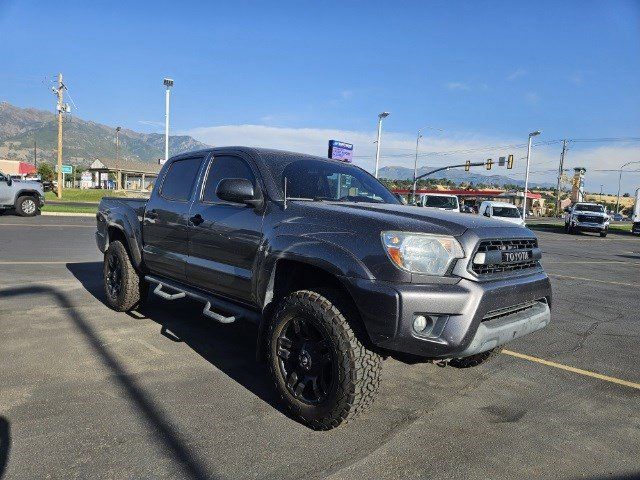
(322,371)
(603,233)
(124,287)
(27,206)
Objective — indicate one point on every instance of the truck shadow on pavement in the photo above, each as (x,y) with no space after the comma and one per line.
(165,434)
(231,348)
(5,444)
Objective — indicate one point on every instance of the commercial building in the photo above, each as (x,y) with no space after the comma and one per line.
(128,174)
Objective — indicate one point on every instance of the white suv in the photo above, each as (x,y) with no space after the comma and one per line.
(501,211)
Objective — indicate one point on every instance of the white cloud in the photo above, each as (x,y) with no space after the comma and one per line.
(398,149)
(458,86)
(576,78)
(519,72)
(532,98)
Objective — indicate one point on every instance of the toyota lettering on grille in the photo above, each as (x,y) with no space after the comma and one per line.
(519,256)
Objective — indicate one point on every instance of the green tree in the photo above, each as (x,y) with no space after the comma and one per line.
(45,171)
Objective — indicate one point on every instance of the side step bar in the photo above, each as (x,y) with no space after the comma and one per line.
(210,301)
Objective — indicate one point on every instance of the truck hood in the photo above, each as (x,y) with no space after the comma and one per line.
(398,217)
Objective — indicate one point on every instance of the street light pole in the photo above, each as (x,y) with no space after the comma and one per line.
(168,83)
(415,166)
(118,180)
(526,175)
(620,181)
(380,117)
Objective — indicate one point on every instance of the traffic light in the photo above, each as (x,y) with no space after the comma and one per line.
(510,162)
(467,166)
(489,164)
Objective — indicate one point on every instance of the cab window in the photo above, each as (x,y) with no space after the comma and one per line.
(225,167)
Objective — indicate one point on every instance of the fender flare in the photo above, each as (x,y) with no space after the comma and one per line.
(122,224)
(22,193)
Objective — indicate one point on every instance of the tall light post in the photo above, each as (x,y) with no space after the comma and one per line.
(526,175)
(168,83)
(620,181)
(118,180)
(415,165)
(380,117)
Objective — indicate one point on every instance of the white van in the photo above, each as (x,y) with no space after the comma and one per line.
(441,201)
(501,211)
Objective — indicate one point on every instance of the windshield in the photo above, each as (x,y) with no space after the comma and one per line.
(589,208)
(332,180)
(509,212)
(450,203)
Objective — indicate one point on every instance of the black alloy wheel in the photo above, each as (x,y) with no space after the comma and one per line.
(306,360)
(113,277)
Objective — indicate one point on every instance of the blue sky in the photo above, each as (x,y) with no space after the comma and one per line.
(287,73)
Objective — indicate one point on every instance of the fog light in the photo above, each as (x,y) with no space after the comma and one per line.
(420,323)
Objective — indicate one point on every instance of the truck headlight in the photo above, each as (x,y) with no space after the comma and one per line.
(421,252)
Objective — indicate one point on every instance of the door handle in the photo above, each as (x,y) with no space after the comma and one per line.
(196,219)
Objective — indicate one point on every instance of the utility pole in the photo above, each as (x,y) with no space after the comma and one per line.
(60,107)
(560,171)
(35,153)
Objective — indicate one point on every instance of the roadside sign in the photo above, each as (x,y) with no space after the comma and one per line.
(340,151)
(66,169)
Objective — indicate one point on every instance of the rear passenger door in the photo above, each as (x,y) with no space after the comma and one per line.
(164,229)
(224,237)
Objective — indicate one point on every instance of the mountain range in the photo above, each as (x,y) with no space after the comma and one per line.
(457,176)
(84,141)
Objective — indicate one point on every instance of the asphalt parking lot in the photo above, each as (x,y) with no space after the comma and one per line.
(89,393)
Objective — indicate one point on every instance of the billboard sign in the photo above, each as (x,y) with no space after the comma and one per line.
(340,151)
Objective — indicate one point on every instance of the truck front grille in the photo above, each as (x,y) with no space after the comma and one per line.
(506,245)
(590,219)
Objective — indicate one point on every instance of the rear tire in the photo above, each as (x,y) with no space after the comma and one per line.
(27,206)
(475,360)
(321,370)
(124,287)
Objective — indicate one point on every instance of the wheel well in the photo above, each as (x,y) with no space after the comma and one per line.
(291,276)
(117,234)
(26,193)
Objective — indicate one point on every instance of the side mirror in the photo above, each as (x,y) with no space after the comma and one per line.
(567,209)
(238,190)
(487,214)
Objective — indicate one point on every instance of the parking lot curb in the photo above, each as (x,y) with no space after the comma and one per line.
(66,214)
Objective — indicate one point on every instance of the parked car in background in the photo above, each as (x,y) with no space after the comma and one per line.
(24,196)
(441,201)
(586,217)
(618,217)
(501,211)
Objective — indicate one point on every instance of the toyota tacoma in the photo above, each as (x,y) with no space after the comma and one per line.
(335,271)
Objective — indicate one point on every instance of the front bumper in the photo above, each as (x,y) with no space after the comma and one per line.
(40,200)
(468,317)
(590,226)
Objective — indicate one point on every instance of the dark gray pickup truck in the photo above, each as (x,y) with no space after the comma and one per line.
(336,272)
